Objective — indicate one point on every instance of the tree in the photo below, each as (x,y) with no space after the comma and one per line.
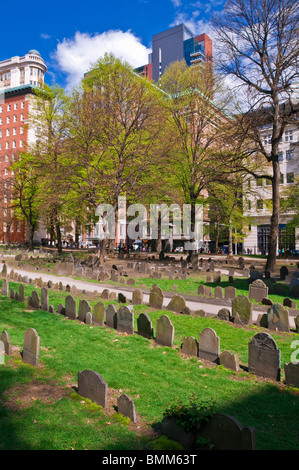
(258,45)
(198,156)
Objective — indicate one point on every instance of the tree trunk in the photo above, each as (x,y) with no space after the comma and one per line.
(230,238)
(273,237)
(58,237)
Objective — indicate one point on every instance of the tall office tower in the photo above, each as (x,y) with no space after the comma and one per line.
(19,77)
(177,43)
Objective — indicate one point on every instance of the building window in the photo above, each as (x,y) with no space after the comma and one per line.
(21,130)
(14,144)
(7,145)
(15,118)
(7,132)
(1,120)
(290,177)
(267,139)
(280,156)
(1,109)
(6,158)
(15,106)
(290,154)
(259,182)
(8,107)
(288,136)
(22,117)
(23,104)
(259,204)
(21,143)
(14,131)
(8,119)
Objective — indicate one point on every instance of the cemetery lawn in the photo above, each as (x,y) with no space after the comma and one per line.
(41,410)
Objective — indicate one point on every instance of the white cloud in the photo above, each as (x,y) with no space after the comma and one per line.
(75,56)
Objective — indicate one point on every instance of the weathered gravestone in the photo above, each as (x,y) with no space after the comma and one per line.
(84,307)
(258,290)
(105,294)
(292,374)
(264,356)
(98,316)
(287,302)
(21,296)
(242,309)
(137,297)
(34,300)
(144,326)
(209,345)
(177,304)
(229,361)
(189,346)
(156,298)
(44,299)
(224,314)
(5,287)
(122,298)
(70,307)
(164,331)
(7,343)
(125,320)
(30,352)
(126,407)
(201,289)
(283,272)
(229,293)
(92,386)
(278,318)
(111,316)
(218,293)
(225,432)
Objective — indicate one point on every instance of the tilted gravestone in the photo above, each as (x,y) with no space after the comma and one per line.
(258,290)
(125,320)
(5,287)
(137,297)
(30,352)
(111,316)
(209,345)
(264,356)
(35,302)
(177,304)
(126,407)
(92,386)
(21,297)
(156,298)
(98,316)
(44,299)
(278,318)
(84,307)
(70,307)
(144,326)
(7,343)
(189,346)
(242,307)
(164,331)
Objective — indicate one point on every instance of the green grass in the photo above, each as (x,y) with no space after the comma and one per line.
(151,375)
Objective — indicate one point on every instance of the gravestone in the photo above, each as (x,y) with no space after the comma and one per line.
(137,297)
(98,316)
(242,307)
(229,361)
(287,302)
(224,314)
(70,307)
(122,298)
(105,294)
(88,318)
(60,309)
(44,299)
(201,289)
(164,331)
(92,386)
(177,304)
(156,298)
(131,282)
(218,293)
(5,287)
(30,352)
(292,374)
(21,297)
(264,356)
(208,291)
(111,316)
(7,343)
(126,407)
(229,293)
(217,277)
(209,345)
(189,346)
(35,302)
(144,326)
(84,307)
(125,320)
(278,318)
(258,290)
(283,272)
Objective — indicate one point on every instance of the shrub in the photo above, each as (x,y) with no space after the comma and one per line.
(191,415)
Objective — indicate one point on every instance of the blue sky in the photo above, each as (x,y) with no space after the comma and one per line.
(71,35)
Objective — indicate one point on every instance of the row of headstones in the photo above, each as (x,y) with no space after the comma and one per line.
(90,384)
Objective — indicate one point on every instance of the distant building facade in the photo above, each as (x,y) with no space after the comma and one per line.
(19,76)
